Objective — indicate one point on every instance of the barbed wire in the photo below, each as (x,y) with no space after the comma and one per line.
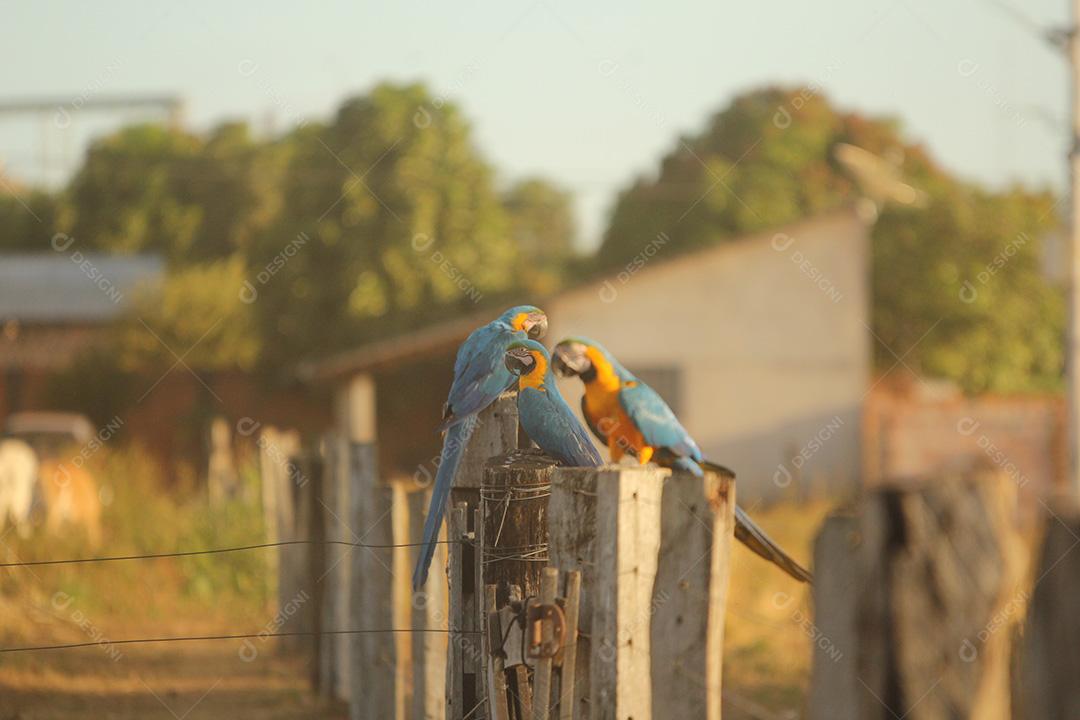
(217,551)
(239,636)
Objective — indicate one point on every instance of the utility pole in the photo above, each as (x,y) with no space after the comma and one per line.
(1066,41)
(1071,45)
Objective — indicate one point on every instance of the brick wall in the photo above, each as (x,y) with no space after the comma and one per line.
(914,428)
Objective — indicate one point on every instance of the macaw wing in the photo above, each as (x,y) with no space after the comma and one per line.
(655,421)
(581,445)
(479,373)
(552,425)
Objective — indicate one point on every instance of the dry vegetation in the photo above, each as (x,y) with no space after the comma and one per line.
(767,654)
(215,594)
(767,646)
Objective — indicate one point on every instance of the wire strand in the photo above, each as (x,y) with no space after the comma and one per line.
(242,636)
(215,551)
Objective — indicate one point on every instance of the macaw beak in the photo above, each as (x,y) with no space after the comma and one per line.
(536,325)
(569,360)
(519,361)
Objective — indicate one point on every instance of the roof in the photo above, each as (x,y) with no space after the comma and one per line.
(71,286)
(372,356)
(448,335)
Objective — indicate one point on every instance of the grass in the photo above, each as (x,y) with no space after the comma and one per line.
(142,516)
(767,650)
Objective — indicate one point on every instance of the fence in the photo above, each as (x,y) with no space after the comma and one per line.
(572,593)
(927,606)
(600,593)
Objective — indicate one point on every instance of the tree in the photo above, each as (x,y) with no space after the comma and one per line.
(389,212)
(542,228)
(767,160)
(128,196)
(197,314)
(28,217)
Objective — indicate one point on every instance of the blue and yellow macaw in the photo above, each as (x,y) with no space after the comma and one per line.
(630,417)
(547,419)
(480,376)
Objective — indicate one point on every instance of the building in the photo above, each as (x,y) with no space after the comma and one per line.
(53,306)
(761,345)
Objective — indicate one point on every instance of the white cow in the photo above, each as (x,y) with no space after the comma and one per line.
(18,473)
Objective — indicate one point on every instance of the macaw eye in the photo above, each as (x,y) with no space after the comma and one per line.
(536,325)
(519,361)
(571,360)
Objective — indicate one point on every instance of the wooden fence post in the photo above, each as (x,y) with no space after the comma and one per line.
(303,612)
(1050,662)
(618,567)
(571,547)
(834,687)
(341,567)
(495,435)
(938,590)
(327,580)
(375,680)
(514,501)
(456,682)
(689,596)
(430,612)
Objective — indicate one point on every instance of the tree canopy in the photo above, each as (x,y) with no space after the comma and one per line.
(767,159)
(302,244)
(387,216)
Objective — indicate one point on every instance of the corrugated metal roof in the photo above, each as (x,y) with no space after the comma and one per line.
(71,286)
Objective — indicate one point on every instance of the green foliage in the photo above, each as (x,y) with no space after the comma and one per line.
(146,514)
(542,228)
(767,160)
(395,213)
(131,195)
(965,272)
(198,314)
(28,218)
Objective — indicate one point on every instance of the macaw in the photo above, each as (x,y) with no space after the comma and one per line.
(480,376)
(547,419)
(630,417)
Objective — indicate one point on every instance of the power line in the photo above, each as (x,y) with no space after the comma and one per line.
(216,551)
(243,636)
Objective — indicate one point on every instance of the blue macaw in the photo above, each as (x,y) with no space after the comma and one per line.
(480,376)
(631,417)
(547,419)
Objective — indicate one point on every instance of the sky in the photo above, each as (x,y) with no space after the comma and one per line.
(589,95)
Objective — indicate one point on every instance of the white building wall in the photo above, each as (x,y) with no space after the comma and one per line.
(771,335)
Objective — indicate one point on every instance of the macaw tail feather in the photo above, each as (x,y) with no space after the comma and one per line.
(753,537)
(749,534)
(457,437)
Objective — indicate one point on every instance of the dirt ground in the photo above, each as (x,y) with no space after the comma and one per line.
(202,680)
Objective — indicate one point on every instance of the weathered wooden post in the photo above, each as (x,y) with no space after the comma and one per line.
(303,611)
(652,549)
(572,547)
(514,502)
(429,613)
(834,687)
(937,568)
(1050,663)
(628,501)
(374,678)
(496,434)
(689,596)
(339,572)
(513,534)
(331,680)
